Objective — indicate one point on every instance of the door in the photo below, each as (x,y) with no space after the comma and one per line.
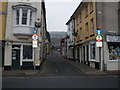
(16,57)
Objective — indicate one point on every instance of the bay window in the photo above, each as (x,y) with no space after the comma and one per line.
(24,14)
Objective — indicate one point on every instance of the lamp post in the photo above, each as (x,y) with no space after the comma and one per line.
(37,26)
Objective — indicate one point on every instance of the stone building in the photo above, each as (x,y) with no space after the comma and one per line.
(20,26)
(89,17)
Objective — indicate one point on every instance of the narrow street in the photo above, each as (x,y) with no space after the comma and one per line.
(56,73)
(57,66)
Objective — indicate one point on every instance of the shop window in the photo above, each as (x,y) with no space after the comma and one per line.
(114,51)
(27,52)
(92,51)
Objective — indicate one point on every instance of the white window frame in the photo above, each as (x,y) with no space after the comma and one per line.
(20,17)
(90,51)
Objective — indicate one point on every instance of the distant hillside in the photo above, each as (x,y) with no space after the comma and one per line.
(56,37)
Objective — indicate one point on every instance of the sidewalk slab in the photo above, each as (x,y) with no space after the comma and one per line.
(85,68)
(19,72)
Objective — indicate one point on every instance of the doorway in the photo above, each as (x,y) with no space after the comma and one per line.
(16,57)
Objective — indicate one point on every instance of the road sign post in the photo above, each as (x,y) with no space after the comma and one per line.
(99,39)
(34,44)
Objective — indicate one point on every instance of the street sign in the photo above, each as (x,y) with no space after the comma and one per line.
(37,62)
(99,44)
(34,37)
(98,32)
(98,38)
(34,31)
(34,44)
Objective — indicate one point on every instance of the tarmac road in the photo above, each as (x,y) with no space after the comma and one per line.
(57,73)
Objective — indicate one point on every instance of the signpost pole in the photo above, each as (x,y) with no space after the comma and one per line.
(34,58)
(99,45)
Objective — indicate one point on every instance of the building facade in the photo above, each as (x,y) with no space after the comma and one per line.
(70,39)
(63,47)
(3,14)
(89,17)
(21,17)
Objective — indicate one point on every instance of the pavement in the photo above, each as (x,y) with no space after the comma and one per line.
(19,72)
(90,70)
(76,65)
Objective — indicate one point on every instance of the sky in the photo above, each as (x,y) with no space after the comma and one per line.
(59,12)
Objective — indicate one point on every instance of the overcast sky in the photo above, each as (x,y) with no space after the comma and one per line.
(59,12)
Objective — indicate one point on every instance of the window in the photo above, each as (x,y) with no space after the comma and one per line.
(17,17)
(92,26)
(114,51)
(92,51)
(24,17)
(80,17)
(87,29)
(86,11)
(80,33)
(30,18)
(77,20)
(27,52)
(91,7)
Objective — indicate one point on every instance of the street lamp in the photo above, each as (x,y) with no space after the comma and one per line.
(37,25)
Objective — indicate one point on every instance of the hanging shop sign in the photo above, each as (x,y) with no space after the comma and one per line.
(110,38)
(98,38)
(34,37)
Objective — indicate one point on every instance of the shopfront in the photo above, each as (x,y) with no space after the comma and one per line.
(22,56)
(113,43)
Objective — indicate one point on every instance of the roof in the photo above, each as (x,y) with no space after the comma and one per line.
(74,13)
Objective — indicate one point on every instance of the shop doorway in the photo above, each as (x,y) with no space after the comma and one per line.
(16,57)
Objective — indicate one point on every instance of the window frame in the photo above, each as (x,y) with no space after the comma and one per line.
(86,11)
(90,50)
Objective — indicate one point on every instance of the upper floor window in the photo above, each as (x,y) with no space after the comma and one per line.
(80,33)
(17,16)
(86,27)
(80,17)
(30,18)
(24,14)
(76,20)
(86,11)
(91,7)
(92,26)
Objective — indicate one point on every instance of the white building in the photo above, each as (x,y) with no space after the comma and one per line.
(70,39)
(21,17)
